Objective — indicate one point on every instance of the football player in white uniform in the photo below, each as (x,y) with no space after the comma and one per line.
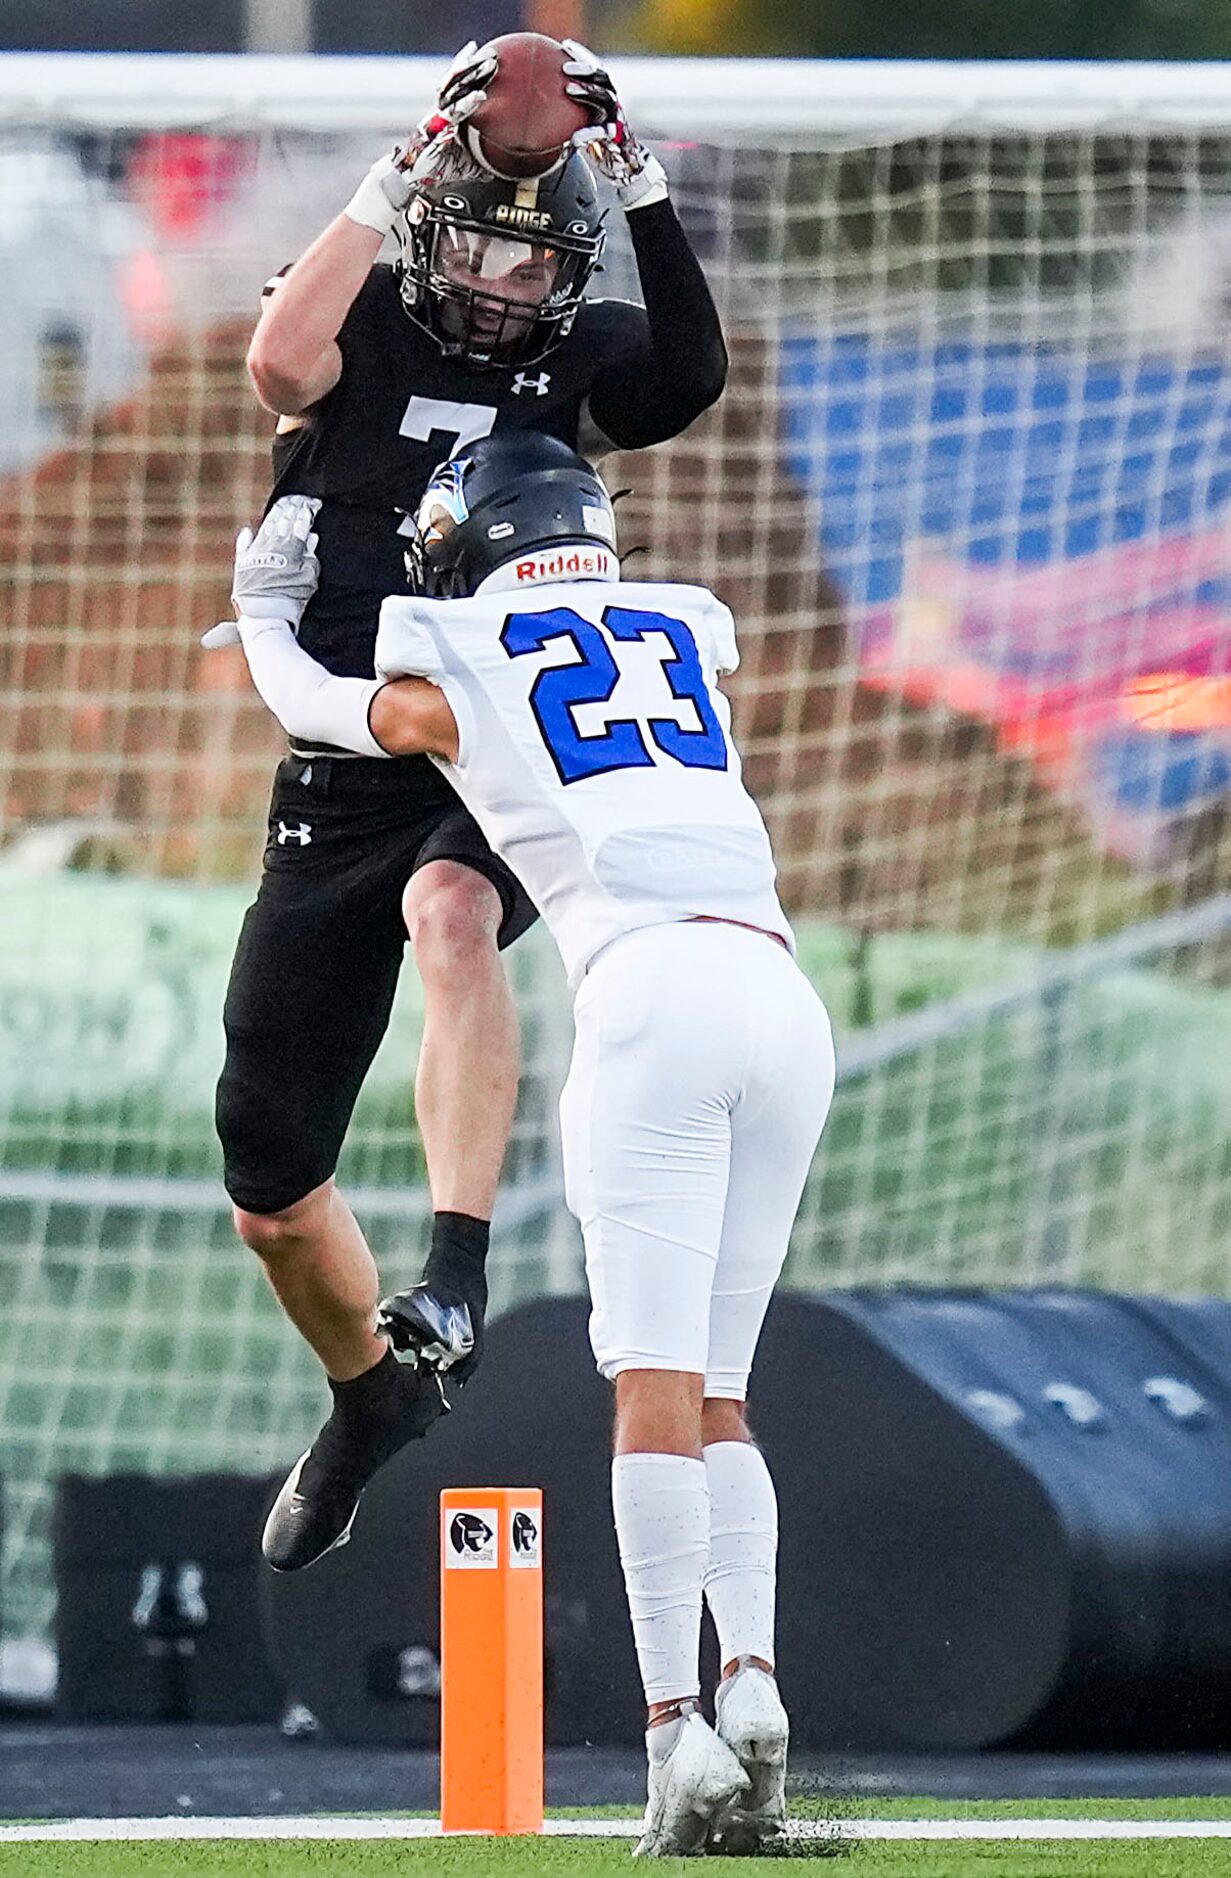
(579,719)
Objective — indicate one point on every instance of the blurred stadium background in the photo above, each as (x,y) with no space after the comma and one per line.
(968,493)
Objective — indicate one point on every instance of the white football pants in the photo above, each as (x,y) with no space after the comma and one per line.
(702,1073)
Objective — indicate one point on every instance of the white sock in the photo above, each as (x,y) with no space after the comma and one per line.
(741,1577)
(662,1520)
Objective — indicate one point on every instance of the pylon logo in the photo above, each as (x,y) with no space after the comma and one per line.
(524,1542)
(472,1539)
(470,1533)
(525,1533)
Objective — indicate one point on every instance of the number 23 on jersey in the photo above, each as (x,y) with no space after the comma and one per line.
(590,677)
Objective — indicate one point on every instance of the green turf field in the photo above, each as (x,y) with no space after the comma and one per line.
(562,1858)
(475,1858)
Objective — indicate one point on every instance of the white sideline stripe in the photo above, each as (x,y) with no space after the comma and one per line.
(101,1830)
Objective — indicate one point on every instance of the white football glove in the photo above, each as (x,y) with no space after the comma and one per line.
(463,88)
(388,186)
(276,569)
(610,142)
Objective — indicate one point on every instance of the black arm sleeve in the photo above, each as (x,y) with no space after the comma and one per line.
(654,390)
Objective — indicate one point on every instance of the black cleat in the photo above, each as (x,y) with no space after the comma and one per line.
(433,1322)
(316,1508)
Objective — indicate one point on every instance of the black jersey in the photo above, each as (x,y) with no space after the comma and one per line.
(369,447)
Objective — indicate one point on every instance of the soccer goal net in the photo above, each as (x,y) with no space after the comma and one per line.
(968,493)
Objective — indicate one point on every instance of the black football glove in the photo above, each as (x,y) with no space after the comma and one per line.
(439,1321)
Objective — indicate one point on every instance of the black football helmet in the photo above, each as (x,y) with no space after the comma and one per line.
(495,269)
(506,500)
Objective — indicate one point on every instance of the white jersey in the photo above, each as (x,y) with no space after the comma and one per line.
(595,751)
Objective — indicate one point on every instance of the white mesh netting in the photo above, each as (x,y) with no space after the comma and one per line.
(967,493)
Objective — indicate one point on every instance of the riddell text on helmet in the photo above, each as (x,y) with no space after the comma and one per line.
(578,562)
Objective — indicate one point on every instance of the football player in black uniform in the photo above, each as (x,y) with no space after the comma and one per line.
(377,372)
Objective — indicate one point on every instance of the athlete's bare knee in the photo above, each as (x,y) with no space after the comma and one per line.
(453,918)
(658,1411)
(724,1420)
(273,1236)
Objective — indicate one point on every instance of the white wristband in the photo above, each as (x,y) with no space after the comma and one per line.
(648,185)
(380,197)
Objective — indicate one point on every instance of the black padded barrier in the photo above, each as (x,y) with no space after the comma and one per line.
(157,1605)
(1006,1519)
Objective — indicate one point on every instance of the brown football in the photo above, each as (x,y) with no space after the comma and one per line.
(528,117)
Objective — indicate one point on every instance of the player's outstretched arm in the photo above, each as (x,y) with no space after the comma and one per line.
(311,705)
(371,716)
(294,358)
(276,572)
(677,367)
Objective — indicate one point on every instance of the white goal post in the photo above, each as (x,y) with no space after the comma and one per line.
(969,494)
(726,99)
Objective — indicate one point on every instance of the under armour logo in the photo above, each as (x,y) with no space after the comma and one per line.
(302,834)
(537,385)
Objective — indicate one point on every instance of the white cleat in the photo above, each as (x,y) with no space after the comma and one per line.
(690,1786)
(751,1720)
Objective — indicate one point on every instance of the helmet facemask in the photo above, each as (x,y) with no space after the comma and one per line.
(493,293)
(442,509)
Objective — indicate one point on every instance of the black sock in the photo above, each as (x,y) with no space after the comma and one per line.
(373,1416)
(358,1400)
(459,1250)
